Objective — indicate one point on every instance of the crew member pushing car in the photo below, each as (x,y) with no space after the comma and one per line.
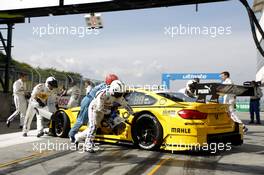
(83,114)
(101,106)
(38,105)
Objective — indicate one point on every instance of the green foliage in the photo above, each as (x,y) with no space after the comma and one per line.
(26,68)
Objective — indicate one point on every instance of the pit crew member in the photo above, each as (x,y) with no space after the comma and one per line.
(75,94)
(101,106)
(38,105)
(83,114)
(231,99)
(19,100)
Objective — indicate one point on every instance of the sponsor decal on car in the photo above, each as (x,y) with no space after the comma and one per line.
(181,130)
(169,112)
(194,123)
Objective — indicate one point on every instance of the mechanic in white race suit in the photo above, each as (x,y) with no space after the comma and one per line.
(38,105)
(75,94)
(100,106)
(231,99)
(19,100)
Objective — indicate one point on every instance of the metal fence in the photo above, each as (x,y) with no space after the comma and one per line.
(36,76)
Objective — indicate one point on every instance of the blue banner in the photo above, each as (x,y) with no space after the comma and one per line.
(167,77)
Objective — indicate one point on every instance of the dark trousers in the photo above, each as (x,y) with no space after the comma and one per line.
(254,109)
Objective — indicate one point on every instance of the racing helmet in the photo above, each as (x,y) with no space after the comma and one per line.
(52,82)
(117,88)
(110,78)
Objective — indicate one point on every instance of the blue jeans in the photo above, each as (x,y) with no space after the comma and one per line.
(82,117)
(254,109)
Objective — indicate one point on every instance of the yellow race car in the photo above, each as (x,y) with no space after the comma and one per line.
(163,120)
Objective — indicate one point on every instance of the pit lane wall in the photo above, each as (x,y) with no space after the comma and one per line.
(6,106)
(243,106)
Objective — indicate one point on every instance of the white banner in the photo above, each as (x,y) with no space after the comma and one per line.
(26,4)
(71,2)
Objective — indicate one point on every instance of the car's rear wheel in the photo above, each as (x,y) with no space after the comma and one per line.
(147,132)
(237,141)
(61,125)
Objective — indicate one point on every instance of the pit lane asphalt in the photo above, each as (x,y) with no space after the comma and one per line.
(20,155)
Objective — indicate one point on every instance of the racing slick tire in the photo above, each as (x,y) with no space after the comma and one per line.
(237,141)
(147,132)
(60,125)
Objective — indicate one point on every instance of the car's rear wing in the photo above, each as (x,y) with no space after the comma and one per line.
(203,90)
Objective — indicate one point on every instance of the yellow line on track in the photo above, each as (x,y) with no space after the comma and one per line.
(38,154)
(157,167)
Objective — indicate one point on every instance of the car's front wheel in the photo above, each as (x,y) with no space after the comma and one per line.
(147,132)
(61,124)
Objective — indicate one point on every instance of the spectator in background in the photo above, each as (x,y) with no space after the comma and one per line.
(75,94)
(19,100)
(230,99)
(254,105)
(88,86)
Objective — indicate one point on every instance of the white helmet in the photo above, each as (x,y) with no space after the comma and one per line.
(52,82)
(117,88)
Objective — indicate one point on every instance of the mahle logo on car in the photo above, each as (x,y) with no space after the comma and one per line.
(181,130)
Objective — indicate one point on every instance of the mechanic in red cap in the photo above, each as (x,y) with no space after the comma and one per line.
(83,114)
(110,78)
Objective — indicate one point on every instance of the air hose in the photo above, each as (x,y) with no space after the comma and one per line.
(253,24)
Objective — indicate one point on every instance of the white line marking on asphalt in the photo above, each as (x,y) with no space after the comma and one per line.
(17,138)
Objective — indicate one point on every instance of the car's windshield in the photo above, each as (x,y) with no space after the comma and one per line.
(177,97)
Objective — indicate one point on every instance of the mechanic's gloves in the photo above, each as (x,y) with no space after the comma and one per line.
(41,104)
(27,95)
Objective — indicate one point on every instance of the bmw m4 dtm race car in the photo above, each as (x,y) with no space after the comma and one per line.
(167,120)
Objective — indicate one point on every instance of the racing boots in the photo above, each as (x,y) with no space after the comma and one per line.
(8,123)
(245,129)
(41,133)
(72,139)
(91,147)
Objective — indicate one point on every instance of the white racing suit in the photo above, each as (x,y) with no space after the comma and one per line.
(75,94)
(231,100)
(100,106)
(20,101)
(42,93)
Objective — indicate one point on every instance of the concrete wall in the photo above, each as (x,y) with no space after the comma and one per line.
(6,105)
